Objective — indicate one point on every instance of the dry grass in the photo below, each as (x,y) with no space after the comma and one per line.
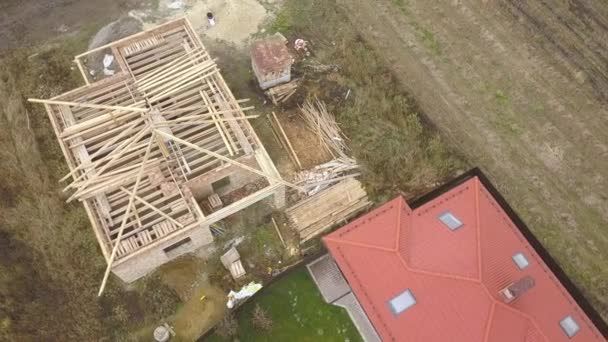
(524,98)
(51,264)
(396,150)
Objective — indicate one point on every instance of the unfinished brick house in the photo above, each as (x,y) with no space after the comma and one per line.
(271,61)
(160,150)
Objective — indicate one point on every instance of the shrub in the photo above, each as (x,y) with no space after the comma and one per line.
(260,319)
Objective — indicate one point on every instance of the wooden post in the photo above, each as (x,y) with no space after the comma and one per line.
(276,227)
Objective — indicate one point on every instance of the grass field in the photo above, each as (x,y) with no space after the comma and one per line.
(298,312)
(50,263)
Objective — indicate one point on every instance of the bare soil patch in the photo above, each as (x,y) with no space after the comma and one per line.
(305,142)
(235,20)
(31,22)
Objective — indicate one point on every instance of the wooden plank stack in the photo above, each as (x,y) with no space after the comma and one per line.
(326,174)
(283,92)
(317,214)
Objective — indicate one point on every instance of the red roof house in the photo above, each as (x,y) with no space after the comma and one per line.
(456,268)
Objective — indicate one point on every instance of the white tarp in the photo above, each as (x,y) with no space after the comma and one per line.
(176,5)
(107,61)
(245,292)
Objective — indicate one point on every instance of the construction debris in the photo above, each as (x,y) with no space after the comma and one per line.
(283,92)
(325,126)
(326,174)
(317,67)
(317,214)
(232,261)
(276,227)
(301,45)
(245,292)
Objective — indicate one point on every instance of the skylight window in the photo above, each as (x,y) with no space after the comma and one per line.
(402,302)
(569,326)
(451,221)
(520,260)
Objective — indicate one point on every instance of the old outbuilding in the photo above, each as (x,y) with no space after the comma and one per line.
(271,61)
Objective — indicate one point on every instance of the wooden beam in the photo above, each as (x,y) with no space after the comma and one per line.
(133,139)
(293,152)
(89,105)
(82,72)
(101,150)
(230,144)
(133,37)
(124,220)
(147,204)
(230,161)
(276,227)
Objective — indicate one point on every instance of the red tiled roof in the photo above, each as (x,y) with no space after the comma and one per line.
(455,276)
(270,54)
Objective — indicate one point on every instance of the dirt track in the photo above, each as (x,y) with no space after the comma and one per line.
(521,89)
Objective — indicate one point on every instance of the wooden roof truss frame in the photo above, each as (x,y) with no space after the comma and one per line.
(133,139)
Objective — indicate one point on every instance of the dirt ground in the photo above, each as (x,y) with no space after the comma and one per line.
(230,16)
(28,23)
(521,89)
(31,22)
(305,143)
(187,277)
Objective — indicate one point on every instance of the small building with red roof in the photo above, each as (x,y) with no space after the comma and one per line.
(459,265)
(271,61)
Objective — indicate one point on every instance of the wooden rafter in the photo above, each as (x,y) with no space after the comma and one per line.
(228,160)
(124,220)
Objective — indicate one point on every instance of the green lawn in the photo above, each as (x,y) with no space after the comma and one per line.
(298,312)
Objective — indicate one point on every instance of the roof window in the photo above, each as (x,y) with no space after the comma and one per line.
(402,302)
(569,326)
(520,260)
(451,221)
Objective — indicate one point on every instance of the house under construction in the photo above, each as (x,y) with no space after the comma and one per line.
(160,150)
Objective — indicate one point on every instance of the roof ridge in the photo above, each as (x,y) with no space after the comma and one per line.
(436,274)
(489,322)
(359,244)
(512,309)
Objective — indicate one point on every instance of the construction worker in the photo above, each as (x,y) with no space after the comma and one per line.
(210,19)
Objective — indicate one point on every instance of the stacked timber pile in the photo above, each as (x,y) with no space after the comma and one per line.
(232,261)
(326,174)
(342,166)
(283,92)
(318,213)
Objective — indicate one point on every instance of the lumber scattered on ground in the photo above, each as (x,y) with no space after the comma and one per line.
(323,124)
(326,174)
(334,205)
(283,92)
(325,127)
